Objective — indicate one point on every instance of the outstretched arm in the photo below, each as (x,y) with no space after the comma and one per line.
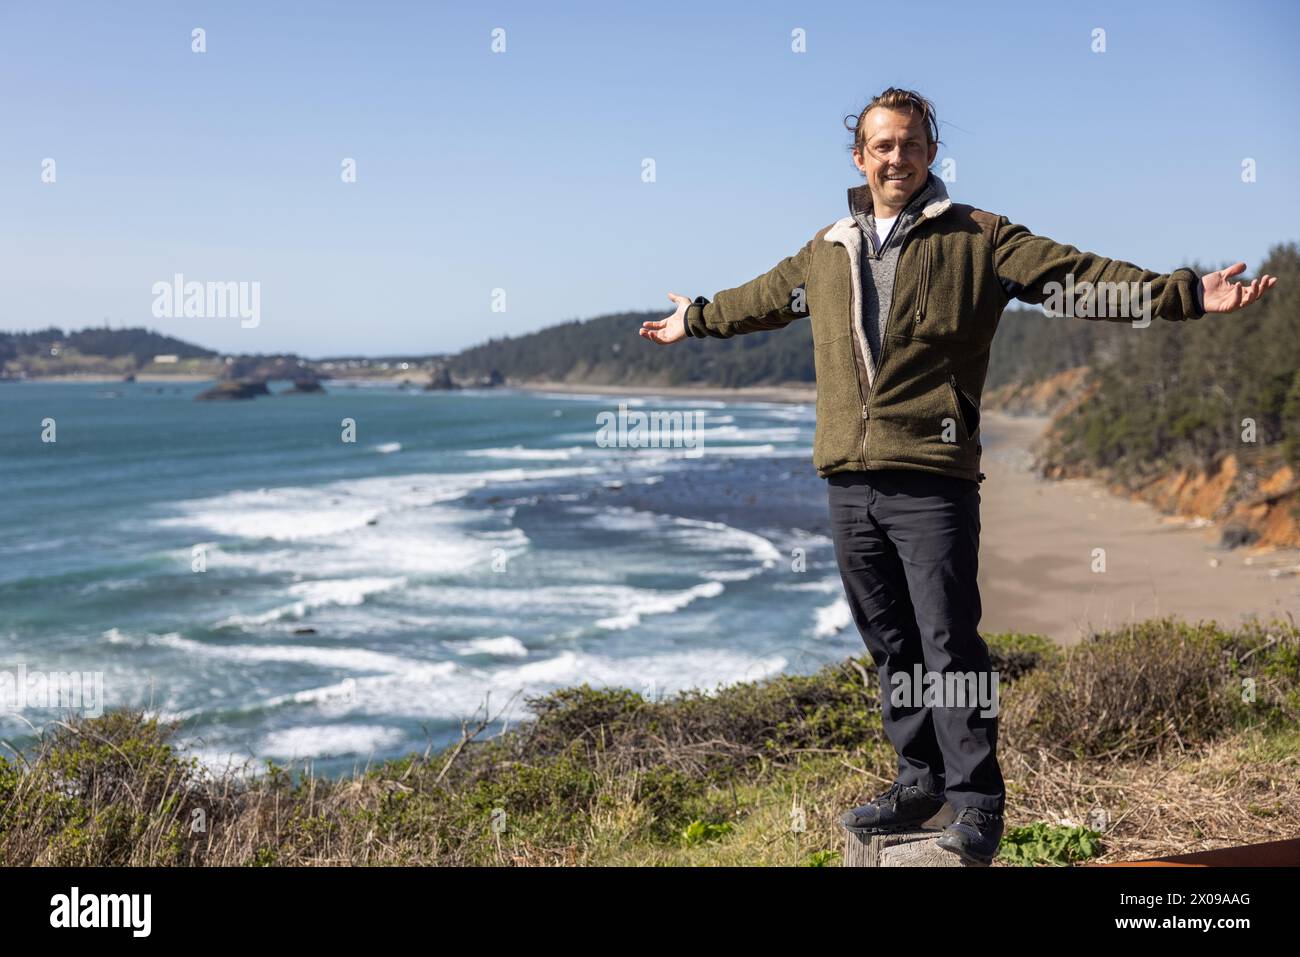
(770,301)
(1034,268)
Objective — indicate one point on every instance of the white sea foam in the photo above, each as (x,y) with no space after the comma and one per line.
(832,619)
(506,646)
(730,575)
(426,543)
(312,741)
(588,396)
(353,659)
(450,691)
(317,594)
(827,585)
(520,453)
(718,536)
(744,451)
(296,513)
(693,533)
(661,603)
(287,514)
(556,605)
(387,448)
(238,764)
(734,433)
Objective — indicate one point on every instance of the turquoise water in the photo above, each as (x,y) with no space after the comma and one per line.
(289,596)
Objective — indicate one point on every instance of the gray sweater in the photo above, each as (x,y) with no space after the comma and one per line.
(878,264)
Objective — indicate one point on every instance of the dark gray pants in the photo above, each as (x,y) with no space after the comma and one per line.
(907,544)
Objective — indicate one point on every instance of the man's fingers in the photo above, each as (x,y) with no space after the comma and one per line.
(1232,270)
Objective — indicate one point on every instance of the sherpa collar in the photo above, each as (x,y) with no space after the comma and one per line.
(934,196)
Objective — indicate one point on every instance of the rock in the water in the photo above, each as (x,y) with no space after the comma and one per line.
(305,386)
(441,381)
(238,389)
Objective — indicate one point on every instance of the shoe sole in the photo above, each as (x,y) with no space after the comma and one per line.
(877,829)
(892,828)
(964,854)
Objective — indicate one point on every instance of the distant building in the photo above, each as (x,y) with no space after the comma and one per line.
(166,360)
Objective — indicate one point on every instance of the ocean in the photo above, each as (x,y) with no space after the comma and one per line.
(291,596)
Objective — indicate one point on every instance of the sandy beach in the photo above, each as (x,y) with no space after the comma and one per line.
(1036,555)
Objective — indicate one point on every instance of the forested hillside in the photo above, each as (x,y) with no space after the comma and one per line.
(1180,394)
(608,350)
(142,344)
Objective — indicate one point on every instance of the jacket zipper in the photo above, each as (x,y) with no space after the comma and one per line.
(856,333)
(924,297)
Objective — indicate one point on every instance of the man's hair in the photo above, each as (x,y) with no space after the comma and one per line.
(905,101)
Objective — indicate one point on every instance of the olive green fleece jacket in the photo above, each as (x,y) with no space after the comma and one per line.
(957,270)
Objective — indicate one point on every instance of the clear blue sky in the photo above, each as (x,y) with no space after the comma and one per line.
(522,170)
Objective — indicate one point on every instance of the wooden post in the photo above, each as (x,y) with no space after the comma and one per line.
(912,848)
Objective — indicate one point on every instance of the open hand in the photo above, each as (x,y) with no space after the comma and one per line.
(671,329)
(1223,295)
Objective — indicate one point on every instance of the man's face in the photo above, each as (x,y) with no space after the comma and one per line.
(896,157)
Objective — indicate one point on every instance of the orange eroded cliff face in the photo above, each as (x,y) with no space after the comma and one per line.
(1262,506)
(1046,397)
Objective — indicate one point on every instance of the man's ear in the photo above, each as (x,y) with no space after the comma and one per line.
(934,151)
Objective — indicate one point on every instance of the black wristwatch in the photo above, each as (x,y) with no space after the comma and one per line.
(697,301)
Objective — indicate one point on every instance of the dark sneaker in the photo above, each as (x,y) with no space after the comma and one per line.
(974,836)
(900,808)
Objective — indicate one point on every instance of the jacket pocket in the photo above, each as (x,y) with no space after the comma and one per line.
(840,429)
(945,306)
(968,413)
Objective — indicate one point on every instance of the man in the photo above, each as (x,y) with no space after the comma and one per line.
(904,296)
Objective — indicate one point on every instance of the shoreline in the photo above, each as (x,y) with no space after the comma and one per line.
(100,378)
